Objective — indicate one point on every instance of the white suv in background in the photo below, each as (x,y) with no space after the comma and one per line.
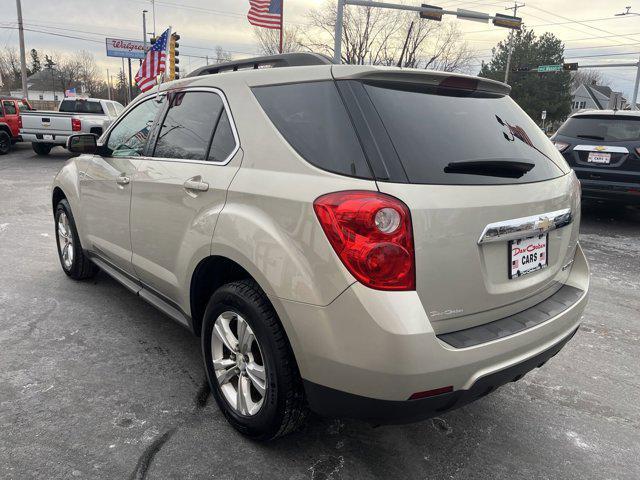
(378,243)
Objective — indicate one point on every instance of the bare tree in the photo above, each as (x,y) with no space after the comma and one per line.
(222,55)
(588,77)
(269,40)
(388,37)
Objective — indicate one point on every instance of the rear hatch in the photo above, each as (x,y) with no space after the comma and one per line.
(481,180)
(602,147)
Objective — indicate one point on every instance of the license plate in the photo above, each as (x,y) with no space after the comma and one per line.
(47,137)
(599,157)
(527,255)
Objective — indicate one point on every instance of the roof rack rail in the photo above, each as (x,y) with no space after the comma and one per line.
(282,60)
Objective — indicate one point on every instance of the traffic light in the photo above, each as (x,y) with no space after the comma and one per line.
(174,69)
(437,16)
(570,66)
(507,21)
(153,40)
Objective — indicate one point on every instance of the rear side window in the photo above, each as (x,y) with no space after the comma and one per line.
(81,106)
(188,125)
(111,109)
(313,120)
(9,108)
(604,128)
(223,140)
(458,137)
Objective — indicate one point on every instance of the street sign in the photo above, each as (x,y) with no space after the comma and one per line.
(118,47)
(549,68)
(544,114)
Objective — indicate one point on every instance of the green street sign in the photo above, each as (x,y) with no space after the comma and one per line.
(549,68)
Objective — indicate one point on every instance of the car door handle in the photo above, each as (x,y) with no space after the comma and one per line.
(195,184)
(123,179)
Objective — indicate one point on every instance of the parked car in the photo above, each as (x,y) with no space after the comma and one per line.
(46,129)
(11,121)
(368,242)
(603,147)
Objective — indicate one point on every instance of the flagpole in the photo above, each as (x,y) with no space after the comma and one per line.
(281,22)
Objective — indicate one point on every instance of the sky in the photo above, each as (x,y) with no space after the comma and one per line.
(591,32)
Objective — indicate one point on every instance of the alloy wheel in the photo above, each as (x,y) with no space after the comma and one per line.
(65,240)
(238,363)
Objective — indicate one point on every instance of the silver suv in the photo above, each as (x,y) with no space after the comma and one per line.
(378,243)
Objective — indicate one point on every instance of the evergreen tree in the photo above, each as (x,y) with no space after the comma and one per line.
(35,62)
(534,92)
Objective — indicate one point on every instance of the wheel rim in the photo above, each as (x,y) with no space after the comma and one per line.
(65,241)
(238,364)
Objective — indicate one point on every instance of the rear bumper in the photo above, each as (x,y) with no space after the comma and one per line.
(365,354)
(334,403)
(616,191)
(39,138)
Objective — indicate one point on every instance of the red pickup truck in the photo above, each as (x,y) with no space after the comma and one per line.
(10,121)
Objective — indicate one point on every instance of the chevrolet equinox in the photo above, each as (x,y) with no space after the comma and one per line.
(376,243)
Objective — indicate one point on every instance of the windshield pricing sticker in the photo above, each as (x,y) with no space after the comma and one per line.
(527,255)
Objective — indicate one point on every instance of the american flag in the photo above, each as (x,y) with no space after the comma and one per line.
(154,63)
(265,13)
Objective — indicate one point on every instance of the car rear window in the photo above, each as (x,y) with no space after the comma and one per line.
(313,120)
(80,106)
(603,128)
(463,137)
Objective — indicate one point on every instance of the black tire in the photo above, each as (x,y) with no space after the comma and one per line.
(81,267)
(284,407)
(41,148)
(5,142)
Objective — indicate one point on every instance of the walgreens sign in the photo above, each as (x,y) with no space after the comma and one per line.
(118,47)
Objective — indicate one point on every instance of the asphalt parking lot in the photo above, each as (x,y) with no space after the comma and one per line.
(95,383)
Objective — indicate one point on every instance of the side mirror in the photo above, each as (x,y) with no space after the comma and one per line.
(82,143)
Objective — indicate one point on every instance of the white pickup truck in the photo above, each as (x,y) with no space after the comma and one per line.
(46,129)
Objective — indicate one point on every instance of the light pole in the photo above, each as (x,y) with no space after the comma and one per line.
(144,29)
(634,99)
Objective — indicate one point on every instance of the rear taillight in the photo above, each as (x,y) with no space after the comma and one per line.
(76,125)
(371,233)
(561,146)
(20,121)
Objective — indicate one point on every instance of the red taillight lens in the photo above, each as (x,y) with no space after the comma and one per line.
(76,125)
(431,393)
(371,233)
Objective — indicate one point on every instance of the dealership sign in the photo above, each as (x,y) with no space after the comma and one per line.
(117,47)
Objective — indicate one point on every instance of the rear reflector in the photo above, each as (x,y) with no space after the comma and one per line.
(431,393)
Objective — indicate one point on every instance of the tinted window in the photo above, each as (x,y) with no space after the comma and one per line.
(129,137)
(600,127)
(9,108)
(313,119)
(80,106)
(223,140)
(188,125)
(452,136)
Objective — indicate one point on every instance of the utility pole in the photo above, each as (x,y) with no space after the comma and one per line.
(508,67)
(23,57)
(144,29)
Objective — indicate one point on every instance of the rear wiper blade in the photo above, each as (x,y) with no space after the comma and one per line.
(490,168)
(593,137)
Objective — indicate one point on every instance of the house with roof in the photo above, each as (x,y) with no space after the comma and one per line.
(596,97)
(48,84)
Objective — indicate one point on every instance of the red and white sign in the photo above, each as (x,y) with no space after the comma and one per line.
(527,255)
(119,47)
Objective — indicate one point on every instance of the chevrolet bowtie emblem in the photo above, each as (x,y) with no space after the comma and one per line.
(543,223)
(600,149)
